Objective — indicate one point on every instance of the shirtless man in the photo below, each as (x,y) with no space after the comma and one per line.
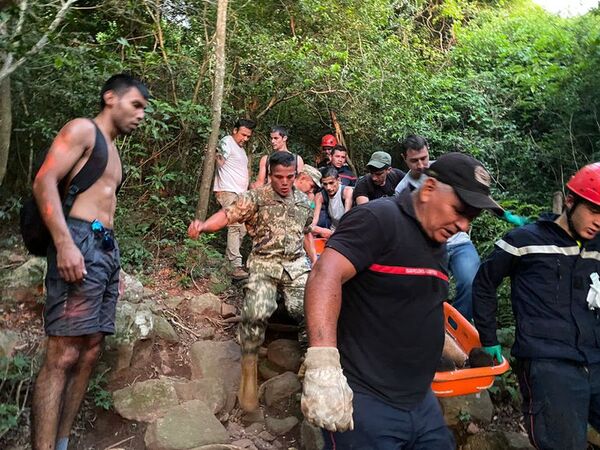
(82,281)
(279,137)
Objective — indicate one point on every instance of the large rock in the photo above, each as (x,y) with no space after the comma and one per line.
(497,440)
(517,441)
(281,387)
(219,281)
(219,447)
(311,436)
(164,330)
(186,426)
(206,304)
(132,323)
(134,291)
(210,391)
(147,400)
(216,359)
(476,407)
(173,302)
(268,370)
(286,353)
(8,341)
(280,426)
(212,360)
(26,282)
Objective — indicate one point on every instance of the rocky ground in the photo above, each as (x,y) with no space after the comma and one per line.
(173,372)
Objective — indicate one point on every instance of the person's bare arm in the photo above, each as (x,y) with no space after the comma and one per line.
(67,149)
(323,297)
(323,232)
(348,198)
(361,199)
(309,248)
(318,206)
(261,178)
(214,223)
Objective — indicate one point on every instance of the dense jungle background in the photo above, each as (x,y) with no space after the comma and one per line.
(503,80)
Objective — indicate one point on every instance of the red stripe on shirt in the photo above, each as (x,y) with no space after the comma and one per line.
(417,271)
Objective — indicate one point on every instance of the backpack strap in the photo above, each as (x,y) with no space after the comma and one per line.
(93,169)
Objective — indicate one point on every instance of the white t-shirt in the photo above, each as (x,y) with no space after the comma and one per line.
(233,175)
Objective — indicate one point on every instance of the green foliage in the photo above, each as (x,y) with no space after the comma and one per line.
(96,392)
(500,79)
(16,382)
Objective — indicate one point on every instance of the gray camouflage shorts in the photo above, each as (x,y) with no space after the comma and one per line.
(87,307)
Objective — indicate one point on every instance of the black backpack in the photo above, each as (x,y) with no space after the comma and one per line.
(36,235)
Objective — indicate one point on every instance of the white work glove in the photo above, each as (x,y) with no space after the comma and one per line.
(593,297)
(326,397)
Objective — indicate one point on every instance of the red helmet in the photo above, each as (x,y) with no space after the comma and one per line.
(328,140)
(586,183)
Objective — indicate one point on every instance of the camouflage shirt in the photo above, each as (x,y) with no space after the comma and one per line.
(277,226)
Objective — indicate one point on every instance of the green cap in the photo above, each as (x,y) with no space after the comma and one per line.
(380,160)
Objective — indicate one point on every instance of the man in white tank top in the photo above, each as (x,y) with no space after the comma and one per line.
(231,180)
(335,199)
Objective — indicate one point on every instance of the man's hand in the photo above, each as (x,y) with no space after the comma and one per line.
(326,397)
(326,233)
(495,351)
(70,263)
(195,228)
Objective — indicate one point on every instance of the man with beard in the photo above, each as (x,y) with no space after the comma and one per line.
(380,181)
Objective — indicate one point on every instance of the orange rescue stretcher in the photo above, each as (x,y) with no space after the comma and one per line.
(469,380)
(319,245)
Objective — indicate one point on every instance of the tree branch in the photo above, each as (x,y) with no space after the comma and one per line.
(9,66)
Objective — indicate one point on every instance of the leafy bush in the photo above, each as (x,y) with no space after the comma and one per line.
(16,383)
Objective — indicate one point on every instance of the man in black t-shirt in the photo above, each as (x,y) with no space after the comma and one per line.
(377,294)
(380,181)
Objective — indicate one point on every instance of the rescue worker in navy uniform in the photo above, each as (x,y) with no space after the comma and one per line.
(377,294)
(553,266)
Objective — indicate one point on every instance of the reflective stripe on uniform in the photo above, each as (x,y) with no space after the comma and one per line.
(539,249)
(590,254)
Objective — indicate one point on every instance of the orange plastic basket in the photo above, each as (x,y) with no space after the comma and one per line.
(319,245)
(464,381)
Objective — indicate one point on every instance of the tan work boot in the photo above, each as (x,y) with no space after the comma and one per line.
(248,395)
(239,274)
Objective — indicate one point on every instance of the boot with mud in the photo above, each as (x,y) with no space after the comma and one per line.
(248,395)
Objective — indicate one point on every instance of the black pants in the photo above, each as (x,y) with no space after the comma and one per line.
(559,399)
(379,426)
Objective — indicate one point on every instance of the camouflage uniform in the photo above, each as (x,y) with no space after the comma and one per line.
(277,227)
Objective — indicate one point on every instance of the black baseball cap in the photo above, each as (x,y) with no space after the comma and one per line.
(469,179)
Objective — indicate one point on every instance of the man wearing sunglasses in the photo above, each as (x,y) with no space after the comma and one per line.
(82,281)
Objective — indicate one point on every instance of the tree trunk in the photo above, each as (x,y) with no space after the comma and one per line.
(557,202)
(217,100)
(5,125)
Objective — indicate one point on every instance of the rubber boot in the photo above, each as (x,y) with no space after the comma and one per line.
(248,395)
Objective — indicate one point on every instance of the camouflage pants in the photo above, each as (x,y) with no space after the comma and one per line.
(260,303)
